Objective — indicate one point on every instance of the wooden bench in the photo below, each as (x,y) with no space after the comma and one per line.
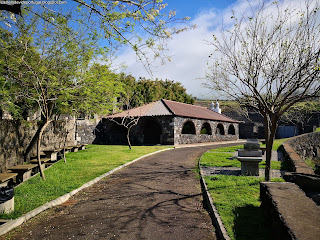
(52,154)
(81,146)
(24,171)
(42,160)
(49,164)
(42,155)
(75,149)
(67,149)
(6,178)
(43,163)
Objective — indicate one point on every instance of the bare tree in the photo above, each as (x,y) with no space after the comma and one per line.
(128,122)
(269,61)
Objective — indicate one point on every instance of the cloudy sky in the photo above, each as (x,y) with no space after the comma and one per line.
(190,50)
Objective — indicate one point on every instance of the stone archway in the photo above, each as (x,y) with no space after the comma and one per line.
(151,133)
(220,129)
(206,129)
(188,128)
(231,130)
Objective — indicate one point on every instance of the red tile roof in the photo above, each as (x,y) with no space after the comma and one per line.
(193,111)
(151,109)
(165,107)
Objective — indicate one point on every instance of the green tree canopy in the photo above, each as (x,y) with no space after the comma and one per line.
(143,91)
(142,25)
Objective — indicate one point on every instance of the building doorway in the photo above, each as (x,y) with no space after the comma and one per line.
(151,133)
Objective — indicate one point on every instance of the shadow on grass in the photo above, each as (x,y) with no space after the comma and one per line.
(250,223)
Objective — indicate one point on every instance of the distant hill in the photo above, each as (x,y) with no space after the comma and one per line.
(229,108)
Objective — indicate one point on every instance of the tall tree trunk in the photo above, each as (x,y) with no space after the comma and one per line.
(44,126)
(64,144)
(128,138)
(33,142)
(270,128)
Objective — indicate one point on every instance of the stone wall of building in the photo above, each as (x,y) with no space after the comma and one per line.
(109,132)
(15,137)
(180,138)
(168,128)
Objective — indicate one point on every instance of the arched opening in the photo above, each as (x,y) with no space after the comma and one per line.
(118,134)
(151,133)
(231,130)
(220,129)
(188,128)
(206,129)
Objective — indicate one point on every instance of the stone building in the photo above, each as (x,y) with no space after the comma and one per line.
(168,122)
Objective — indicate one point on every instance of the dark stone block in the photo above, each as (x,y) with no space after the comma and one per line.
(290,212)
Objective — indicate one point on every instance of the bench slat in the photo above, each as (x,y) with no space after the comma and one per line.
(22,167)
(7,176)
(43,160)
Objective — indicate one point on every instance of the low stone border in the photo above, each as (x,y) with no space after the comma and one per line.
(299,165)
(11,224)
(220,229)
(290,212)
(239,141)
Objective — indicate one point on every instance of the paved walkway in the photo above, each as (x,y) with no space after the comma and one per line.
(157,197)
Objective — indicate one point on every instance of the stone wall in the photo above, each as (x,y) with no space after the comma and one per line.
(306,145)
(180,138)
(15,137)
(86,130)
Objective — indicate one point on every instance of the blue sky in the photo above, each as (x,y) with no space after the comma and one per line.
(192,8)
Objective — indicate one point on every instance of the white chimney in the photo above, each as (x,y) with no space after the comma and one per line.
(212,106)
(215,107)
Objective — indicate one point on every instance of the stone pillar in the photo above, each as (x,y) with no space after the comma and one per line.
(250,157)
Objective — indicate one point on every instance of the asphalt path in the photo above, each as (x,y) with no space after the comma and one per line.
(157,197)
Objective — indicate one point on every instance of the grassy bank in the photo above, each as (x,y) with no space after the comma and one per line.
(237,201)
(222,157)
(237,197)
(81,167)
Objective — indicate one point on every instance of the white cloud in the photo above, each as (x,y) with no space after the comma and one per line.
(190,51)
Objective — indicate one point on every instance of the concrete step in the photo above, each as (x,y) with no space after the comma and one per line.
(291,213)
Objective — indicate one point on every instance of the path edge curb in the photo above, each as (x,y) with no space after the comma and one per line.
(11,224)
(216,219)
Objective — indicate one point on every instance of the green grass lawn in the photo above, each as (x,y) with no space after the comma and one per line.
(81,167)
(318,129)
(237,197)
(222,157)
(276,143)
(237,201)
